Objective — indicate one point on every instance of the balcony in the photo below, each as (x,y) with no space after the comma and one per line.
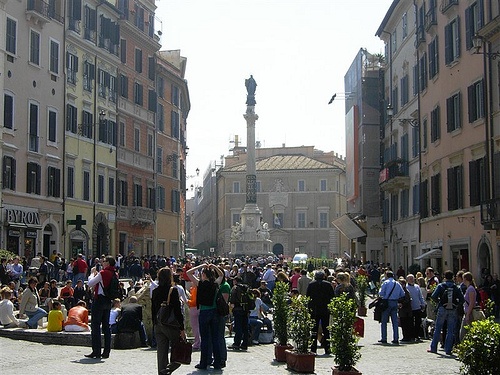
(447,4)
(41,12)
(419,36)
(141,216)
(430,19)
(395,176)
(490,214)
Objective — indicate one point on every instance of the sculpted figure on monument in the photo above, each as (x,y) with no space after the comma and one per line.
(251,85)
(236,232)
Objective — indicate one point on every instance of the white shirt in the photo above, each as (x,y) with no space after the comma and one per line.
(256,312)
(113,315)
(7,312)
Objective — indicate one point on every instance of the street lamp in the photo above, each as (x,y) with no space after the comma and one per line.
(477,43)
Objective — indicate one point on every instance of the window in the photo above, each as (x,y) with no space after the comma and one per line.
(385,211)
(9,173)
(90,24)
(107,132)
(112,88)
(404,22)
(138,60)
(87,124)
(52,126)
(100,189)
(433,58)
(86,185)
(394,207)
(54,182)
(322,185)
(122,134)
(455,188)
(75,14)
(452,41)
(235,218)
(123,193)
(111,191)
(138,93)
(150,145)
(70,189)
(474,16)
(8,114)
(137,195)
(123,86)
(475,96)
(453,113)
(175,166)
(102,82)
(54,57)
(71,67)
(88,75)
(415,80)
(152,106)
(424,134)
(477,176)
(422,73)
(33,130)
(175,95)
(151,198)
(33,178)
(236,186)
(405,203)
(416,199)
(176,201)
(301,219)
(160,87)
(71,119)
(415,147)
(161,197)
(159,160)
(323,219)
(34,48)
(436,194)
(424,199)
(151,68)
(139,17)
(435,124)
(405,90)
(394,100)
(123,50)
(301,185)
(11,36)
(161,118)
(278,220)
(174,124)
(137,139)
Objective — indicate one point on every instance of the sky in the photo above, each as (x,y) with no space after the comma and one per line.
(298,52)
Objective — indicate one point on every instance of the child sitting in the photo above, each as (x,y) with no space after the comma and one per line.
(56,318)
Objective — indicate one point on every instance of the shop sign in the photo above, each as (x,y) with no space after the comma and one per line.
(14,233)
(17,216)
(30,234)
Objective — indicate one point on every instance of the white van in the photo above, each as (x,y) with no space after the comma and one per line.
(299,259)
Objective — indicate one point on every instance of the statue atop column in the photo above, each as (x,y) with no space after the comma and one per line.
(251,85)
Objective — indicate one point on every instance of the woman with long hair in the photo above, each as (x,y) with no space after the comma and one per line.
(470,301)
(166,337)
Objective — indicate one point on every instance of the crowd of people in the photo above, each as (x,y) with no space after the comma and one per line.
(194,287)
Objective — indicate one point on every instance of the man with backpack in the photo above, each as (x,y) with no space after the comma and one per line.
(448,297)
(242,302)
(101,306)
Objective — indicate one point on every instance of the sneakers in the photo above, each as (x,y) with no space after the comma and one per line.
(431,351)
(382,341)
(395,342)
(234,347)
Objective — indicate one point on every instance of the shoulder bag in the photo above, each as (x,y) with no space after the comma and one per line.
(478,314)
(181,352)
(166,315)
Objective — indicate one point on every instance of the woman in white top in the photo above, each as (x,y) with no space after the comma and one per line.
(257,319)
(7,318)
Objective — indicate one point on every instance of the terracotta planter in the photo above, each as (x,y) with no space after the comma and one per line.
(362,310)
(300,362)
(352,371)
(279,352)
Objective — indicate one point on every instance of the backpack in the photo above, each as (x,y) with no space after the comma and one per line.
(450,297)
(246,298)
(112,291)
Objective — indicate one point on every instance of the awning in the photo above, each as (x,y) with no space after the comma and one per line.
(348,227)
(434,253)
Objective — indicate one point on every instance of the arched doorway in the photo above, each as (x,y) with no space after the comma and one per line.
(278,249)
(100,236)
(483,256)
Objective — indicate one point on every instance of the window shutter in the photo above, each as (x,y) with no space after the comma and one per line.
(452,193)
(152,101)
(123,51)
(457,39)
(471,96)
(448,52)
(151,68)
(77,9)
(449,114)
(469,20)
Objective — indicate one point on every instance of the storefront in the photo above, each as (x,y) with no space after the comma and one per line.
(21,230)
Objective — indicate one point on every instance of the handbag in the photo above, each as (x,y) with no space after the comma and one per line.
(181,352)
(166,315)
(478,314)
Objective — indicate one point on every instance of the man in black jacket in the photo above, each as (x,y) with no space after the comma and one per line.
(321,293)
(130,320)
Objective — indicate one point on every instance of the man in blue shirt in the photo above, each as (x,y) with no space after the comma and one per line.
(447,311)
(391,291)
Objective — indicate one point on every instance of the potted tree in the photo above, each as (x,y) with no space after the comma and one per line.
(479,351)
(300,323)
(280,315)
(362,285)
(343,338)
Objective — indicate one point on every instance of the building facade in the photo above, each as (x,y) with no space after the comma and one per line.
(300,191)
(32,131)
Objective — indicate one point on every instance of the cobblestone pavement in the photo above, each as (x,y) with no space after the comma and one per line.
(23,357)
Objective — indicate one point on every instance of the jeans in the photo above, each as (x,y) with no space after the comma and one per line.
(209,332)
(100,316)
(450,316)
(222,339)
(240,328)
(392,311)
(256,325)
(35,316)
